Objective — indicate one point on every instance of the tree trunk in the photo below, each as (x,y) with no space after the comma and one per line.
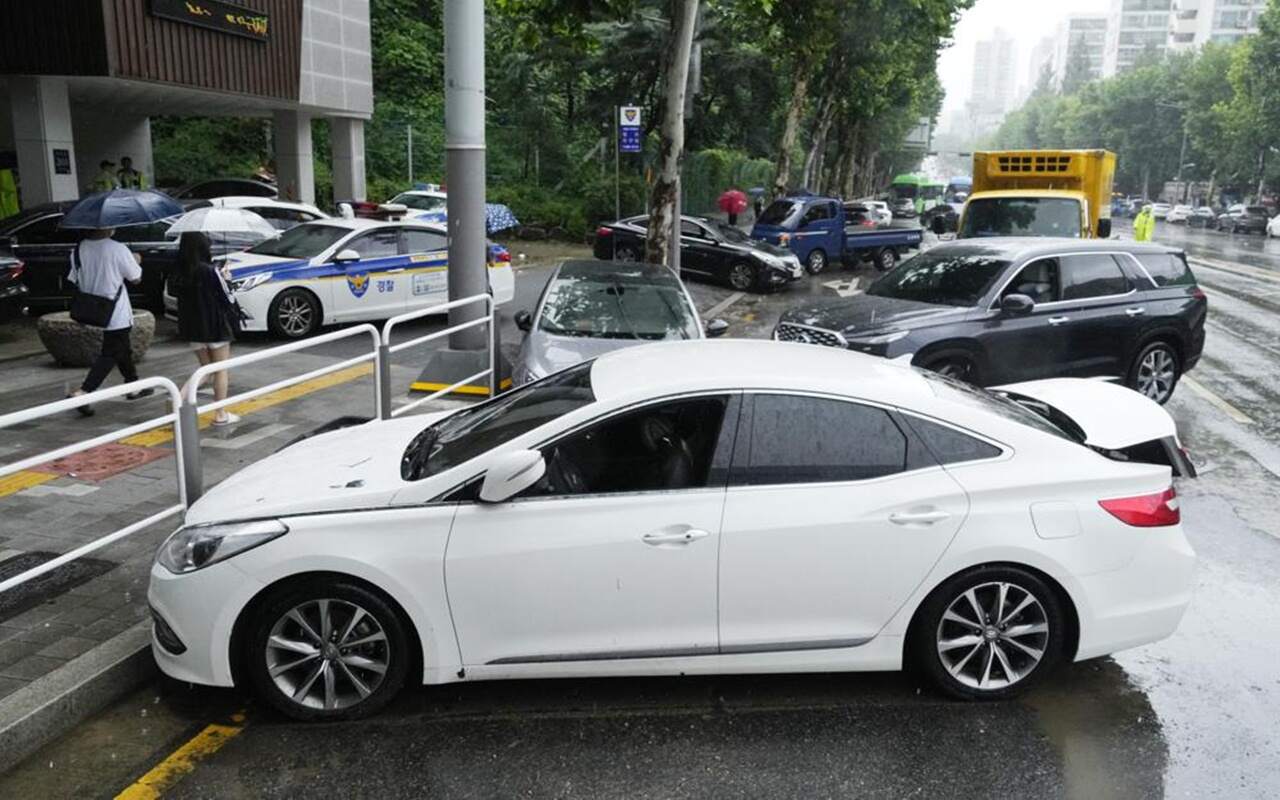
(813,159)
(663,215)
(850,159)
(795,107)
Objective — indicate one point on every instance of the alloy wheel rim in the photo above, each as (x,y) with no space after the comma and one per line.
(953,369)
(889,259)
(817,260)
(1156,374)
(993,635)
(294,315)
(327,654)
(740,276)
(625,254)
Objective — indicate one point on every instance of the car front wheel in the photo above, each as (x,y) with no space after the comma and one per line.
(742,276)
(1155,371)
(989,633)
(816,262)
(327,649)
(294,314)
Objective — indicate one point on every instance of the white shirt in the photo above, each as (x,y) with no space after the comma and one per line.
(105,265)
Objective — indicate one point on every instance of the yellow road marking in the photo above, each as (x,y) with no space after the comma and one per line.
(181,762)
(18,481)
(424,386)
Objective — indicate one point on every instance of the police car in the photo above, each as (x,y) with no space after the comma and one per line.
(348,270)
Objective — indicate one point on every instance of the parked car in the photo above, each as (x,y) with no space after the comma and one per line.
(686,508)
(1202,217)
(348,270)
(708,249)
(281,214)
(903,208)
(883,214)
(818,231)
(942,218)
(1161,210)
(1004,310)
(1244,219)
(593,307)
(1179,215)
(1273,227)
(423,200)
(13,292)
(224,187)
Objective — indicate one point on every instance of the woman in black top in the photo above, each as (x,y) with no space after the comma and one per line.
(207,316)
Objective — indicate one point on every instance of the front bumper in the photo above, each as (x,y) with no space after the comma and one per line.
(791,270)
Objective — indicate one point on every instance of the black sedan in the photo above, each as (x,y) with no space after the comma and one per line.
(708,249)
(1006,310)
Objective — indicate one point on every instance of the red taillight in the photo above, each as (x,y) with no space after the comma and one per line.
(1146,510)
(603,231)
(16,268)
(503,257)
(1198,293)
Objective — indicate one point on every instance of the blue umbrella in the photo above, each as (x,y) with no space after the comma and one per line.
(120,208)
(497,217)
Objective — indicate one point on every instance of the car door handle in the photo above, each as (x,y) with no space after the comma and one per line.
(1059,320)
(918,517)
(1136,311)
(675,537)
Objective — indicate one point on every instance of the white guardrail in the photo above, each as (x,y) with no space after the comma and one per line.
(185,413)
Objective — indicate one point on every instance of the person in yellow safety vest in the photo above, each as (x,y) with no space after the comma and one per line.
(8,194)
(105,180)
(128,177)
(1144,225)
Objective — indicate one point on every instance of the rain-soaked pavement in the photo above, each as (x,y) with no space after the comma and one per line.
(1194,716)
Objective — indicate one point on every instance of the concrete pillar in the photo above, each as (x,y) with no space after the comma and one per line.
(295,164)
(43,140)
(346,141)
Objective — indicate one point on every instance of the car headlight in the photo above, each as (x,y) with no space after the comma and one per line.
(883,338)
(245,284)
(192,548)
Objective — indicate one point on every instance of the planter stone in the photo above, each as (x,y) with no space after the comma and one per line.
(74,345)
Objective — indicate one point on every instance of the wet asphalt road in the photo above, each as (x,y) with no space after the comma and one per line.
(1194,716)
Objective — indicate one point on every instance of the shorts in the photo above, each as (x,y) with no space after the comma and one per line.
(207,345)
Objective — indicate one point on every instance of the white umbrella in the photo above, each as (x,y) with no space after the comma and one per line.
(238,224)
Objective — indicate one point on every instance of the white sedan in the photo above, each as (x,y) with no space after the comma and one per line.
(697,507)
(349,270)
(1273,227)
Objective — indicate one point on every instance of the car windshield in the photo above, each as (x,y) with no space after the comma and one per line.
(615,305)
(942,278)
(461,437)
(778,212)
(303,241)
(967,394)
(1022,216)
(730,233)
(421,202)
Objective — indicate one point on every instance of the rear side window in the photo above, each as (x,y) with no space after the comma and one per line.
(817,213)
(790,439)
(948,445)
(1168,269)
(1091,275)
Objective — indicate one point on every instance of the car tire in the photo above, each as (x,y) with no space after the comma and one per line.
(1021,636)
(743,276)
(294,314)
(954,365)
(816,261)
(626,253)
(334,681)
(886,258)
(1155,371)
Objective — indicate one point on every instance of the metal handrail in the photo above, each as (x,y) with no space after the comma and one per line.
(490,319)
(72,403)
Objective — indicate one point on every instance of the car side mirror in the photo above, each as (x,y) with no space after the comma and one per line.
(510,474)
(524,320)
(1016,305)
(1104,229)
(716,327)
(347,256)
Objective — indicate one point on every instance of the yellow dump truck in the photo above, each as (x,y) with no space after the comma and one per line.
(1040,193)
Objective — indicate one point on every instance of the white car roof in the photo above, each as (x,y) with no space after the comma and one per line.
(424,193)
(363,223)
(663,368)
(264,202)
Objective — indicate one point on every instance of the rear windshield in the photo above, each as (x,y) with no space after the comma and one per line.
(942,278)
(778,212)
(1168,269)
(1021,216)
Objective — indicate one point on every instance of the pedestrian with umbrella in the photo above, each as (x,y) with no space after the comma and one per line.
(733,202)
(100,268)
(208,316)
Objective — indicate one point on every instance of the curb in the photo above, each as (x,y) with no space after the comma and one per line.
(50,706)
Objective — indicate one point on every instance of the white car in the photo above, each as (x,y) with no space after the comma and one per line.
(704,507)
(1178,215)
(348,270)
(884,215)
(1161,210)
(1273,227)
(282,214)
(432,200)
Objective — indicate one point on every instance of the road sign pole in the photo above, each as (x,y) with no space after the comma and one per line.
(617,164)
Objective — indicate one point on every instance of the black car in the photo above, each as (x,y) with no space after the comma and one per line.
(13,292)
(223,187)
(1244,219)
(708,249)
(1000,311)
(942,218)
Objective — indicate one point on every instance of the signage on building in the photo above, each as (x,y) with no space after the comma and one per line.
(61,161)
(216,15)
(629,129)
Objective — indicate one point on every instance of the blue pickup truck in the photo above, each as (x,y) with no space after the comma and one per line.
(822,229)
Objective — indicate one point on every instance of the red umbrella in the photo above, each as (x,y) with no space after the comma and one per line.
(732,202)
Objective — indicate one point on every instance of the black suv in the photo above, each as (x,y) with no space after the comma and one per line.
(998,311)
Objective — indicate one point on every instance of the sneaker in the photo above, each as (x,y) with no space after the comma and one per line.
(141,393)
(84,411)
(229,419)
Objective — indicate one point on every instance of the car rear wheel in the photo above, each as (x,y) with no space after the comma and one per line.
(955,366)
(989,633)
(886,259)
(742,276)
(626,253)
(294,314)
(1155,371)
(327,649)
(816,261)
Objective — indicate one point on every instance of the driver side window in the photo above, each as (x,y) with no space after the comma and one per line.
(678,444)
(1038,280)
(816,213)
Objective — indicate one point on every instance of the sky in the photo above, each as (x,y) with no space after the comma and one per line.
(1027,20)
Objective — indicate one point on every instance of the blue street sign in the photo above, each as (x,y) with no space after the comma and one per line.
(629,139)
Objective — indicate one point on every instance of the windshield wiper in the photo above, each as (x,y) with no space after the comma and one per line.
(414,464)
